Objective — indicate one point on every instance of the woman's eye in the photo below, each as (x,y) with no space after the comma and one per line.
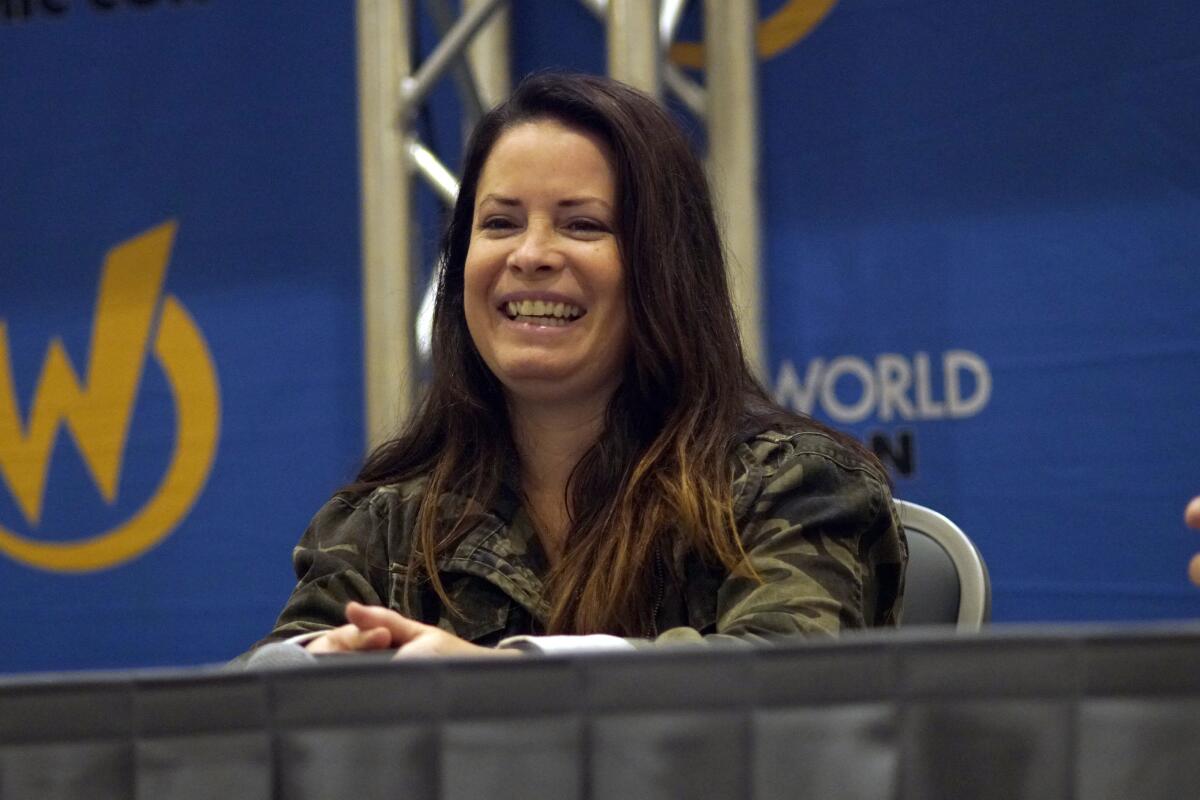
(497,224)
(587,226)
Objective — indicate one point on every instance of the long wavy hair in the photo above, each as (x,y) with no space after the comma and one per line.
(661,468)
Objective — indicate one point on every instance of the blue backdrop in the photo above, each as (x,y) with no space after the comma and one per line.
(1018,180)
(980,241)
(238,122)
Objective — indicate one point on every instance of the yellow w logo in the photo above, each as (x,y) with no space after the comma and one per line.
(98,409)
(790,23)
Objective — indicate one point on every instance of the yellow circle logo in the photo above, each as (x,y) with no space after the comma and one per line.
(98,410)
(794,20)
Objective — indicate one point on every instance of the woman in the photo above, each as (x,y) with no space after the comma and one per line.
(592,455)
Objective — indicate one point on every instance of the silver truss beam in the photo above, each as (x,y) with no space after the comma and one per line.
(384,60)
(634,49)
(390,92)
(489,56)
(731,62)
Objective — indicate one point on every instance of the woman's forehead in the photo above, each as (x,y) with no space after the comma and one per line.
(546,153)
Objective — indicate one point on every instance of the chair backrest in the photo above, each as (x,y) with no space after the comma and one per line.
(947,582)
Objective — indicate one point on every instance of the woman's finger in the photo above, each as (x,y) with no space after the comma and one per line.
(349,639)
(420,647)
(401,629)
(437,642)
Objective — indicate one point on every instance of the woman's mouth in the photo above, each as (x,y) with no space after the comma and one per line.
(542,312)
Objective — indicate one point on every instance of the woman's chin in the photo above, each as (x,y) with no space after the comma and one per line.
(546,385)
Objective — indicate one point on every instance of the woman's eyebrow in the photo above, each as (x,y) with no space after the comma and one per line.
(501,199)
(567,202)
(583,201)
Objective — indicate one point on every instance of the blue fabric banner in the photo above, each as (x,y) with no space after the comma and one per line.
(980,241)
(981,254)
(180,337)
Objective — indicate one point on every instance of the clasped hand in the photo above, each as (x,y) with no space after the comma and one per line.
(378,628)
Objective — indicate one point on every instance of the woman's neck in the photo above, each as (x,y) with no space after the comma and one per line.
(550,440)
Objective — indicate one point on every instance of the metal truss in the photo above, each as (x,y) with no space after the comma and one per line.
(474,51)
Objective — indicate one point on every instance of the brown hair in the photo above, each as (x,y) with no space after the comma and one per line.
(661,468)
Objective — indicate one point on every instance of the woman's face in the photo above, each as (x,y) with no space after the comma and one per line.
(544,287)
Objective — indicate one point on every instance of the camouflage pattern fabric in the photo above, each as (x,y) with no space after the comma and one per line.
(817,523)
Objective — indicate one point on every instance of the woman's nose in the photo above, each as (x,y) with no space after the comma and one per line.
(537,251)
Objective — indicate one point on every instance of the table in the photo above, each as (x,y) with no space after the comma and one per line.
(1009,713)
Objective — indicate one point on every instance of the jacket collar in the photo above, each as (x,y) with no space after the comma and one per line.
(502,547)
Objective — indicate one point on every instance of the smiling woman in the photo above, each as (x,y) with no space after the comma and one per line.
(544,289)
(593,465)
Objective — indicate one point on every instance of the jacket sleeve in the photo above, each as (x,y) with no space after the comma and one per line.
(341,557)
(824,547)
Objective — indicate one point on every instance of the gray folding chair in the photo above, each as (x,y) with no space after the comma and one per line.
(947,582)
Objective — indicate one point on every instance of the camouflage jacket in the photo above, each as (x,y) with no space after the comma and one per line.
(817,523)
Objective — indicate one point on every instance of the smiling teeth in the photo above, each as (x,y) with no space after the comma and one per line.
(541,308)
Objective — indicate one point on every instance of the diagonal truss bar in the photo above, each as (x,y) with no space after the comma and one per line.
(670,13)
(687,90)
(416,88)
(436,174)
(597,7)
(690,93)
(468,90)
